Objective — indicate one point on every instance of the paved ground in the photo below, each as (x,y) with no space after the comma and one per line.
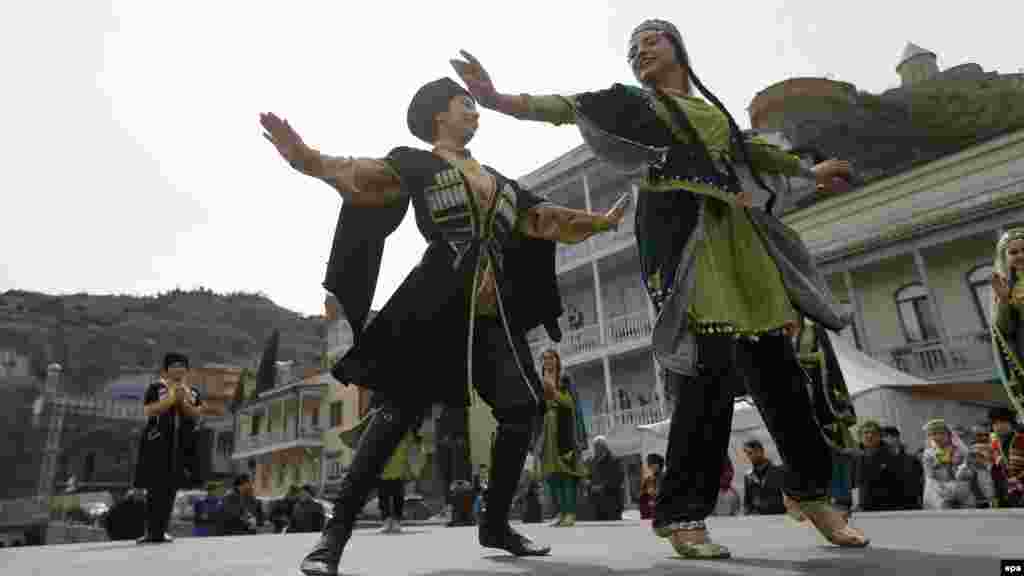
(907,544)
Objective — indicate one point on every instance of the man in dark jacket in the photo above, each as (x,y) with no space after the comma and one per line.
(762,485)
(281,510)
(878,472)
(308,514)
(241,513)
(912,471)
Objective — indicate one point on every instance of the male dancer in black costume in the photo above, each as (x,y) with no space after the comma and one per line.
(487,277)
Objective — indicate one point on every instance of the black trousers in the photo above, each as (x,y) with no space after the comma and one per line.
(159,505)
(516,406)
(391,495)
(607,505)
(702,423)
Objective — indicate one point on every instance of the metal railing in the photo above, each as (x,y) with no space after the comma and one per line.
(574,342)
(279,436)
(622,236)
(633,326)
(568,253)
(629,419)
(967,352)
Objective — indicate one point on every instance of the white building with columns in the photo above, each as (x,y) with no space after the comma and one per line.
(607,352)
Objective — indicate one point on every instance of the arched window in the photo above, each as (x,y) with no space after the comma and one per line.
(980,281)
(915,314)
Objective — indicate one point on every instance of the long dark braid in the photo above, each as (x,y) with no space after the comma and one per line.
(737,135)
(738,140)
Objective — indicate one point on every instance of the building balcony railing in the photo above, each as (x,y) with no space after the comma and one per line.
(574,342)
(274,438)
(635,326)
(622,236)
(569,253)
(964,353)
(632,327)
(603,424)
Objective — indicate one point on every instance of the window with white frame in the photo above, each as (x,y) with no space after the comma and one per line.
(915,313)
(980,281)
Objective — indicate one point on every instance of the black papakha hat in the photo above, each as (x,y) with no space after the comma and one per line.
(429,100)
(175,358)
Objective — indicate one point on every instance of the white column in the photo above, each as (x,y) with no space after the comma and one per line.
(858,313)
(586,190)
(599,301)
(609,400)
(659,387)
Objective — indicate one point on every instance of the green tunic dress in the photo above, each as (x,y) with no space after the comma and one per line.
(551,461)
(739,288)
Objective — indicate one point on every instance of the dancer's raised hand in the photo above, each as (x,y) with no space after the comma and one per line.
(477,80)
(618,210)
(287,141)
(1001,287)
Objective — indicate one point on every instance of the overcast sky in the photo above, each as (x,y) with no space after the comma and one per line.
(132,160)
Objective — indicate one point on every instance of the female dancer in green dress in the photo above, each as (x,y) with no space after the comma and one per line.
(729,281)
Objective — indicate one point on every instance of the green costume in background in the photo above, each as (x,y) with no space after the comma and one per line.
(560,457)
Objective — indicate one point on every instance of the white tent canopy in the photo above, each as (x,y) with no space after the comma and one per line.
(864,373)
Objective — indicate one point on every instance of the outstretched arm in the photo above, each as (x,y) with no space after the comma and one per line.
(767,157)
(361,181)
(554,109)
(549,221)
(829,176)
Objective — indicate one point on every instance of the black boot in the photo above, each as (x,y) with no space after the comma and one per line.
(500,535)
(510,447)
(376,446)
